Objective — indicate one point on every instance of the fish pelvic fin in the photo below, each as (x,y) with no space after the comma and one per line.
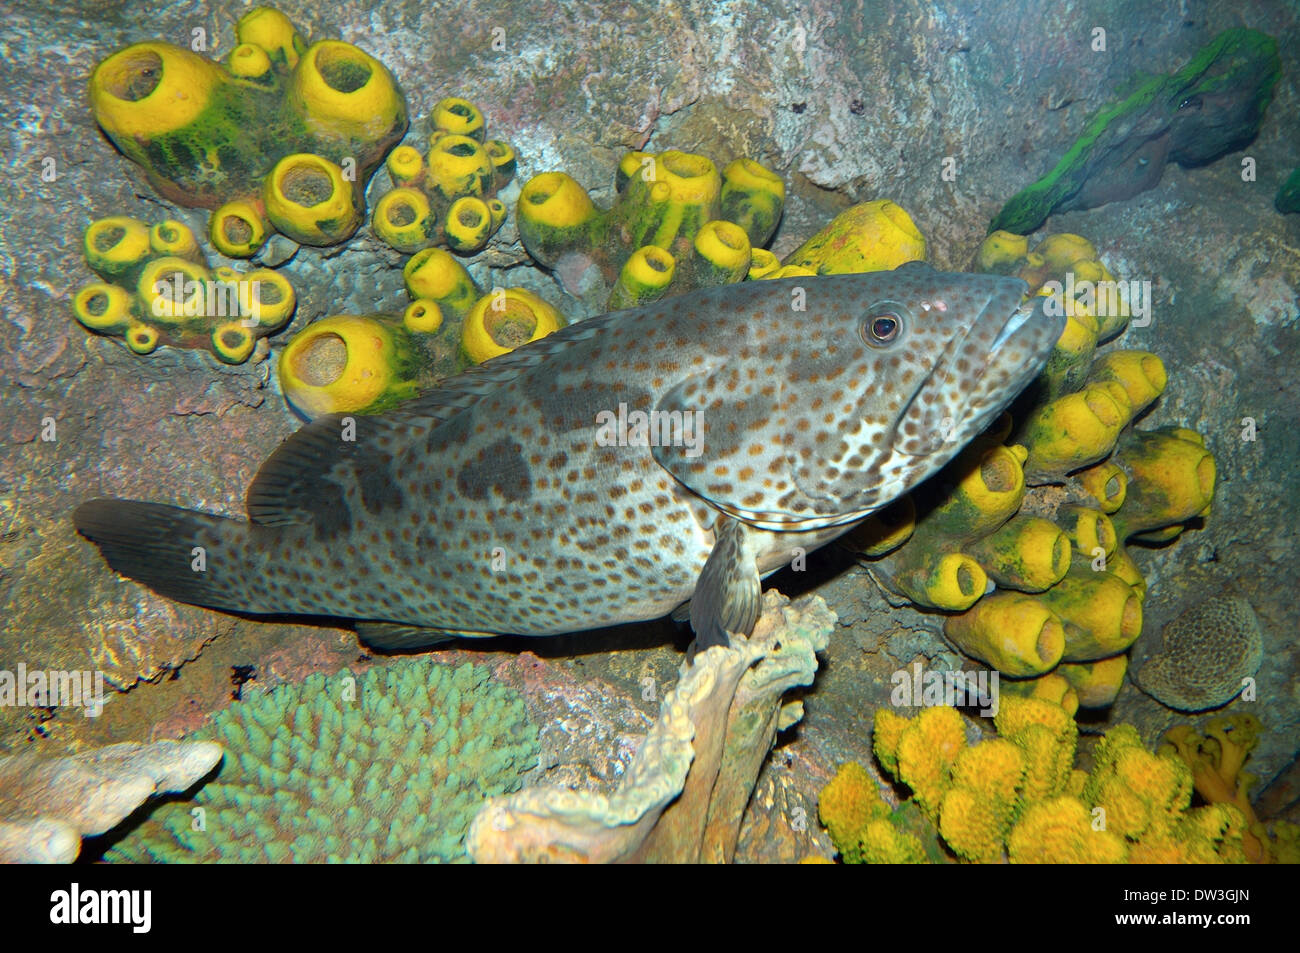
(191,557)
(728,595)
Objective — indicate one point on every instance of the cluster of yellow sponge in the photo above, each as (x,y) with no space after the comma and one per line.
(1038,582)
(281,137)
(156,288)
(446,196)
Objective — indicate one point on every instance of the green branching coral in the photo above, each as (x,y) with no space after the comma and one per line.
(1211,106)
(448,196)
(283,136)
(157,289)
(389,766)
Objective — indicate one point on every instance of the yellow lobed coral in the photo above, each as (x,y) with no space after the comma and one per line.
(1018,796)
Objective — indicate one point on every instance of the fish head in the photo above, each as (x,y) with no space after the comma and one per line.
(832,396)
(931,359)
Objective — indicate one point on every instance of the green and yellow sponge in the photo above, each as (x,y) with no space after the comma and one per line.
(157,289)
(447,195)
(282,136)
(677,223)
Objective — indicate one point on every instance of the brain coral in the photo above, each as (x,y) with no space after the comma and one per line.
(1206,653)
(385,766)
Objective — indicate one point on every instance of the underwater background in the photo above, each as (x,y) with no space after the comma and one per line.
(948,110)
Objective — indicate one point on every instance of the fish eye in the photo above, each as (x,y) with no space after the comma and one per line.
(882,326)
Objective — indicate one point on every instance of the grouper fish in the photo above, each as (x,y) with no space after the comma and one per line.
(613,471)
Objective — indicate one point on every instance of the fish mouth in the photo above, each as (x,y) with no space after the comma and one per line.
(981,371)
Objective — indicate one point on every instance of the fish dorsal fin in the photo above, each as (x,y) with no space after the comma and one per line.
(306,472)
(305,479)
(466,388)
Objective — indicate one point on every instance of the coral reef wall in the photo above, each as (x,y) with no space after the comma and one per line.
(847,102)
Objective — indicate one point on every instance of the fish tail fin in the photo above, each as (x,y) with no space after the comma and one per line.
(192,557)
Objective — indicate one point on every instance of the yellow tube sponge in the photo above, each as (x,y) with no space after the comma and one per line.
(347,364)
(308,198)
(103,307)
(1001,253)
(239,228)
(402,219)
(1015,633)
(1101,612)
(1141,374)
(435,275)
(938,580)
(504,319)
(1052,687)
(1089,529)
(753,197)
(1171,479)
(884,530)
(209,135)
(873,236)
(556,216)
(1096,684)
(645,277)
(1072,432)
(710,223)
(117,247)
(1062,250)
(1105,482)
(1028,554)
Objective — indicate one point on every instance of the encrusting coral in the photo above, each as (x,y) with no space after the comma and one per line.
(389,765)
(282,137)
(1039,581)
(448,195)
(683,796)
(1019,797)
(47,805)
(1207,653)
(157,289)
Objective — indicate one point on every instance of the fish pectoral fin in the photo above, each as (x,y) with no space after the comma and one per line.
(392,635)
(682,613)
(729,592)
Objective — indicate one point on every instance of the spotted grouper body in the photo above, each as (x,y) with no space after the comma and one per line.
(614,470)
